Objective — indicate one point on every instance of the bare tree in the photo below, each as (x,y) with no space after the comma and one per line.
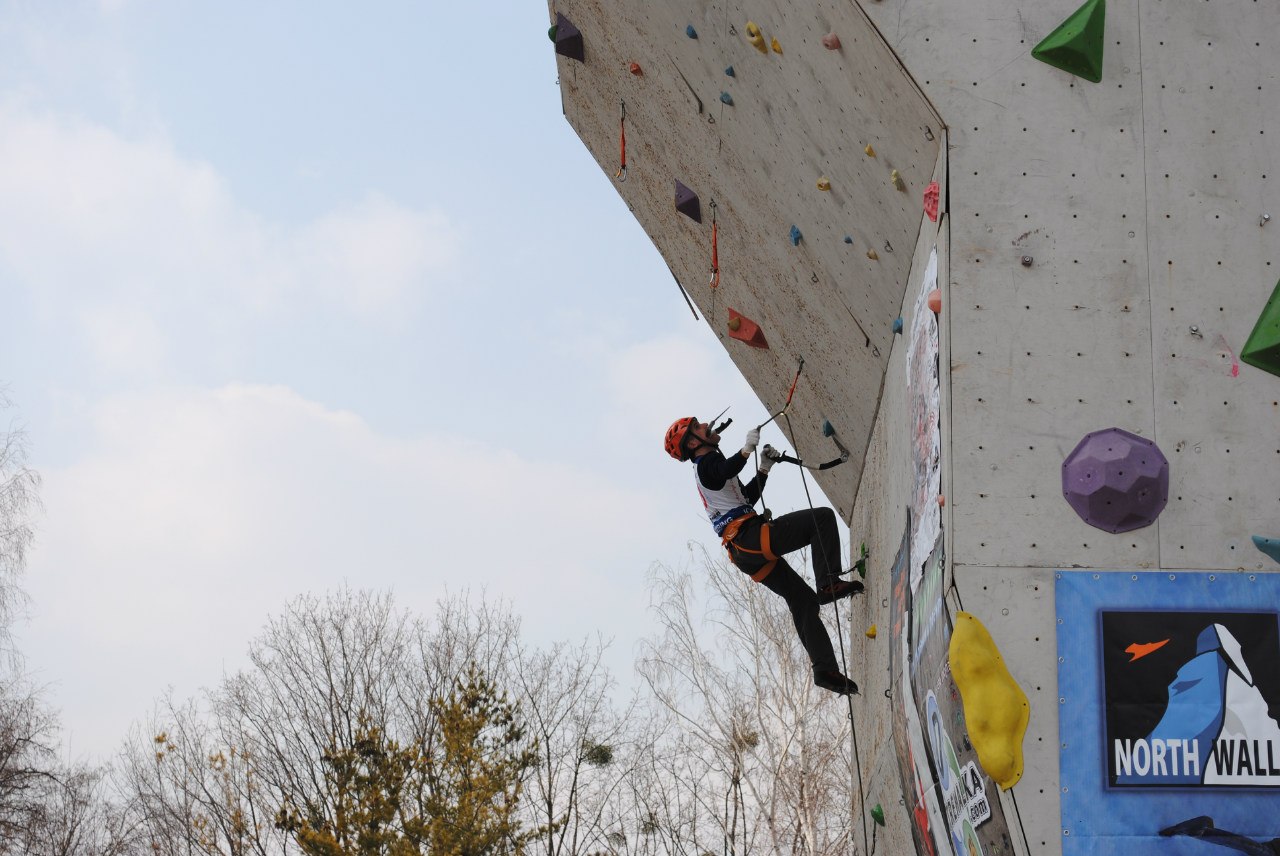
(19,500)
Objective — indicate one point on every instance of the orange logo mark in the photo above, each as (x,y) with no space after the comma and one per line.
(1142,649)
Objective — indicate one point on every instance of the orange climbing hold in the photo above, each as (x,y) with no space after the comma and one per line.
(935,301)
(777,48)
(636,69)
(831,42)
(744,329)
(931,201)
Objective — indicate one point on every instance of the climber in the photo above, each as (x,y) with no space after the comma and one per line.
(756,544)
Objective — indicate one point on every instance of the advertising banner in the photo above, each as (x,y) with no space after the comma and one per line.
(1169,702)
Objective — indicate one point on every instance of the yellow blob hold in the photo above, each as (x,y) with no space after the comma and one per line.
(897,180)
(995,708)
(735,324)
(871,632)
(756,39)
(824,183)
(871,254)
(870,151)
(777,48)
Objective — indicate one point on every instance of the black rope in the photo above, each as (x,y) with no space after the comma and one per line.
(844,666)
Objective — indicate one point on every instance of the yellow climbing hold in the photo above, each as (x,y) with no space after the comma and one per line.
(871,632)
(871,254)
(995,708)
(824,183)
(897,180)
(870,151)
(777,48)
(754,36)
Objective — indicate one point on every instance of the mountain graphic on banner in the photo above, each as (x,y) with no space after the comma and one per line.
(1216,729)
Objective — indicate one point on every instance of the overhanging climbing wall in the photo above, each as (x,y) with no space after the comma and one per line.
(826,290)
(1104,252)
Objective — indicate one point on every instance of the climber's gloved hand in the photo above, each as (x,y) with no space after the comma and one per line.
(753,440)
(770,456)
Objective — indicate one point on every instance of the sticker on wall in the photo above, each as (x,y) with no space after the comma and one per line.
(923,412)
(1169,705)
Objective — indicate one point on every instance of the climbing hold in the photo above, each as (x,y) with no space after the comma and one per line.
(756,38)
(996,710)
(827,428)
(687,203)
(1262,348)
(795,236)
(931,201)
(1269,546)
(848,239)
(636,70)
(871,634)
(870,151)
(729,71)
(551,32)
(831,42)
(1076,45)
(1116,481)
(691,32)
(877,814)
(777,48)
(897,324)
(568,38)
(873,255)
(942,500)
(897,180)
(824,183)
(726,98)
(935,301)
(744,329)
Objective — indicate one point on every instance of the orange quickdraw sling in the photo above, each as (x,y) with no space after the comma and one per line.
(765,552)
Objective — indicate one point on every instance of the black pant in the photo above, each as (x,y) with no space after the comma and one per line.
(815,528)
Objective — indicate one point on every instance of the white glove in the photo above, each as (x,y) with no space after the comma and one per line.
(753,440)
(770,457)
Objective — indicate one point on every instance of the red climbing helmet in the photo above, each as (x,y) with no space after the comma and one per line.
(676,436)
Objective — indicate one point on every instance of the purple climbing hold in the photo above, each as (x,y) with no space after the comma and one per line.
(568,39)
(687,202)
(1116,481)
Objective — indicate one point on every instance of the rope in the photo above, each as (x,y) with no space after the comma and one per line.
(844,666)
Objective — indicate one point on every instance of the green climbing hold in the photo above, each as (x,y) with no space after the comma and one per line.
(551,33)
(1262,350)
(1076,46)
(877,814)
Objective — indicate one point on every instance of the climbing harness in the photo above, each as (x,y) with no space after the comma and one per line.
(621,174)
(735,550)
(715,255)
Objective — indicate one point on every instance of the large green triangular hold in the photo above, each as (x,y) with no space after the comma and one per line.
(1262,350)
(1076,46)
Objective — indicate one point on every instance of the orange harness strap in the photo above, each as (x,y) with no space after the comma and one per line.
(765,551)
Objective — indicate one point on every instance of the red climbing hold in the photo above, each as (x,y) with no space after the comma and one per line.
(636,70)
(935,301)
(831,42)
(931,201)
(746,330)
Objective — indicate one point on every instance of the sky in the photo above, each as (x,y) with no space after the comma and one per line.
(296,296)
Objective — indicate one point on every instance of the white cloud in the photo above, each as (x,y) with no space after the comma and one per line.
(89,218)
(196,513)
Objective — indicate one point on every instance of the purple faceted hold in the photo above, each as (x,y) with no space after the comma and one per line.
(687,202)
(1116,481)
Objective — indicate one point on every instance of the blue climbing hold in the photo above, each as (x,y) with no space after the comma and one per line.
(795,236)
(897,324)
(726,98)
(729,71)
(848,239)
(1270,546)
(827,430)
(691,32)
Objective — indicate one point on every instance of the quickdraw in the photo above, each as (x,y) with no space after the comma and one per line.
(621,174)
(715,255)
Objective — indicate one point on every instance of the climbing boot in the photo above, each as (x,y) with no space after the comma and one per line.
(836,682)
(839,588)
